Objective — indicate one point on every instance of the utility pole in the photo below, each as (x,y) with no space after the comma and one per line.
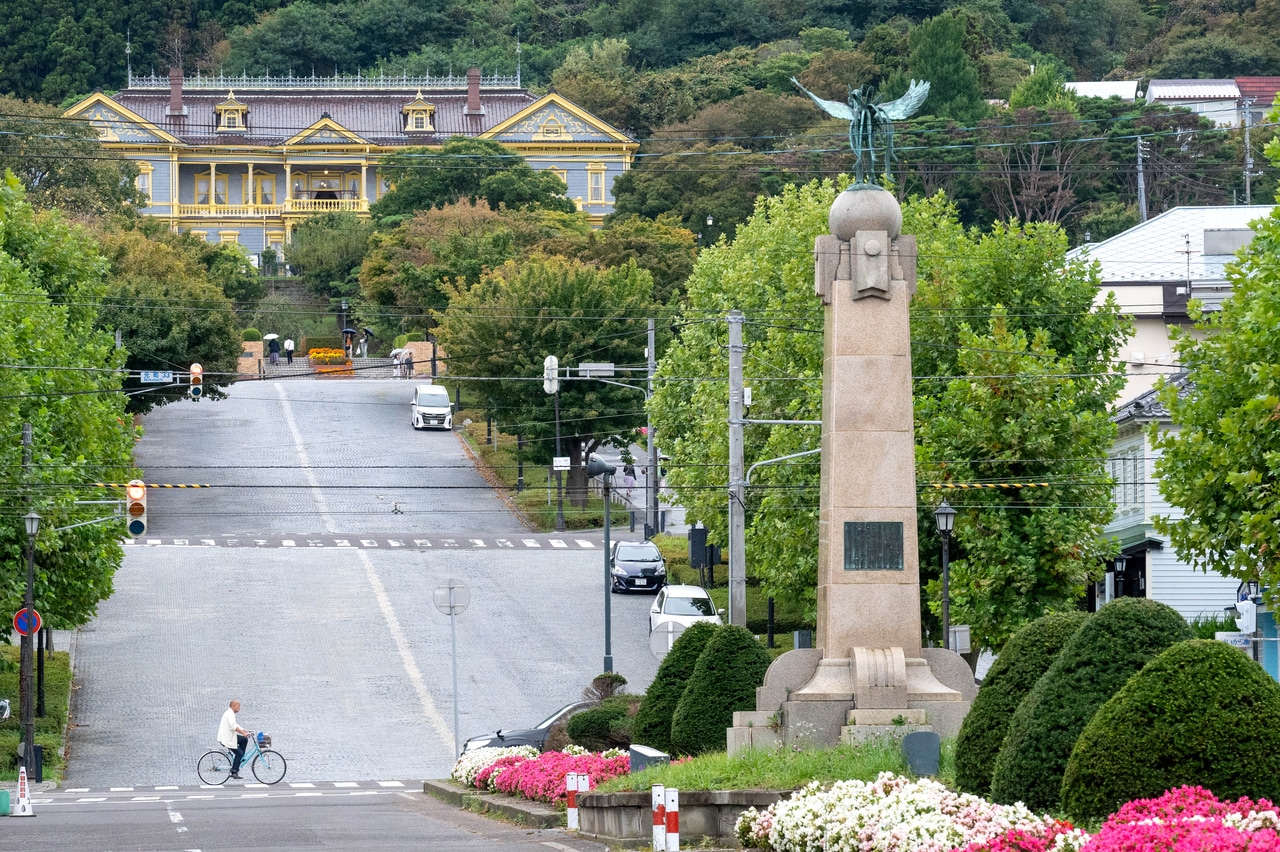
(655,472)
(737,478)
(1142,186)
(1248,154)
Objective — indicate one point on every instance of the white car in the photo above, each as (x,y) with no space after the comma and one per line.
(431,408)
(683,605)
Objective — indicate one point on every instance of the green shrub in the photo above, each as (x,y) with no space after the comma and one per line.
(415,336)
(607,726)
(322,341)
(400,341)
(1201,713)
(1024,658)
(653,720)
(724,679)
(250,334)
(1108,650)
(1206,626)
(605,685)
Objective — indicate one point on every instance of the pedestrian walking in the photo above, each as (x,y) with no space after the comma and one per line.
(288,350)
(408,363)
(629,479)
(273,347)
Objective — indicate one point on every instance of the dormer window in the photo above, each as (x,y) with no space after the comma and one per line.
(233,116)
(418,114)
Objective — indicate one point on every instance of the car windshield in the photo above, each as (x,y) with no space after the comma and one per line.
(638,553)
(688,606)
(550,720)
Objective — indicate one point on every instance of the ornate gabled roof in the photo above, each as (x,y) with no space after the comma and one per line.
(1147,406)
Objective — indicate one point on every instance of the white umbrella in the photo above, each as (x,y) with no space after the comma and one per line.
(397,352)
(270,336)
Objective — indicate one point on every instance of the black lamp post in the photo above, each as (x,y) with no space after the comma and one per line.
(28,686)
(946,518)
(596,467)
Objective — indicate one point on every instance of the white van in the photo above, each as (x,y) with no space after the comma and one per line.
(431,408)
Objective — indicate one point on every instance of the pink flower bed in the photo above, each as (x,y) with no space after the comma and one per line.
(542,778)
(1188,819)
(486,778)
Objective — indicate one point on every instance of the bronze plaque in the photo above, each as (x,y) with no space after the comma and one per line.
(873,546)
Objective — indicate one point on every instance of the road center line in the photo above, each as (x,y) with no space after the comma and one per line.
(301,450)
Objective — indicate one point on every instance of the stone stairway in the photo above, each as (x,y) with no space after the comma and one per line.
(364,368)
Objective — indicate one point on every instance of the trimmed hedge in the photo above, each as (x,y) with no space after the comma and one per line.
(1022,661)
(653,721)
(1201,714)
(250,334)
(604,727)
(1108,650)
(724,680)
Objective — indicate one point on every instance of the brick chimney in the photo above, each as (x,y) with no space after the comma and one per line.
(175,92)
(473,93)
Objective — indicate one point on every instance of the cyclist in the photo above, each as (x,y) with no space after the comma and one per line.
(232,736)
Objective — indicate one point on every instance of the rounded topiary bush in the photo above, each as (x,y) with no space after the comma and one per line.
(1200,714)
(653,720)
(606,726)
(1096,662)
(724,679)
(250,334)
(1023,659)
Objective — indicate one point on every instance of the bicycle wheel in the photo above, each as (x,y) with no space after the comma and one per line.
(214,767)
(268,766)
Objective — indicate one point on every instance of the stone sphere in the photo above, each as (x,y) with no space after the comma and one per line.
(865,208)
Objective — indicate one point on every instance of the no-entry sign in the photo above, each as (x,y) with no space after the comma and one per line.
(27,622)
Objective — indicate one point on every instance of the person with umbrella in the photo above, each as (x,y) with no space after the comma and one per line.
(273,347)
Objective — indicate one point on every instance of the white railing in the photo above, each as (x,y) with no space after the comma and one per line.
(295,205)
(326,205)
(339,81)
(227,210)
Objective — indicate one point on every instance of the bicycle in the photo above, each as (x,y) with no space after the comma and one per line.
(214,766)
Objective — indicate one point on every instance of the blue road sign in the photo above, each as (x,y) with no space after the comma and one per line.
(27,622)
(154,377)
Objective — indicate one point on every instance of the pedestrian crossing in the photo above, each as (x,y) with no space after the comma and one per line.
(457,542)
(232,789)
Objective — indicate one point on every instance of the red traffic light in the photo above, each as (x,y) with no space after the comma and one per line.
(135,521)
(197,379)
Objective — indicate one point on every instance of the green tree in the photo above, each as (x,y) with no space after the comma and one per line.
(506,324)
(469,169)
(65,383)
(170,314)
(938,55)
(653,719)
(1044,89)
(724,680)
(1219,462)
(62,163)
(661,247)
(326,252)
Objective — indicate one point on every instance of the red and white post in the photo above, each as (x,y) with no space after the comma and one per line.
(573,782)
(658,798)
(673,820)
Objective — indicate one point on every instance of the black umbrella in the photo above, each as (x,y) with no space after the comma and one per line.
(349,331)
(369,332)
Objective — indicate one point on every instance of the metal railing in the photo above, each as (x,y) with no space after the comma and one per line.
(338,81)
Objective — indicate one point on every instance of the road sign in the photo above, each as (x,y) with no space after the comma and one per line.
(155,377)
(601,369)
(27,622)
(560,462)
(452,597)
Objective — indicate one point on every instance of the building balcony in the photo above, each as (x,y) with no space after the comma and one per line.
(258,211)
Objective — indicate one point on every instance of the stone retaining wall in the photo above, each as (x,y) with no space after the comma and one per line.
(707,817)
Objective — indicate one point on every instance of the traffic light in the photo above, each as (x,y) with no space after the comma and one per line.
(135,507)
(197,379)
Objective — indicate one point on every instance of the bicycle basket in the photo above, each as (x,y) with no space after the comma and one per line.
(264,741)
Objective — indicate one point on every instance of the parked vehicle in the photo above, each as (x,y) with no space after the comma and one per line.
(431,408)
(683,605)
(637,566)
(535,736)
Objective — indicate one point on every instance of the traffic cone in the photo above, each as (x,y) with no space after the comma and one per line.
(23,807)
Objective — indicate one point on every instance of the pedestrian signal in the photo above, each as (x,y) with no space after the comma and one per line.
(197,379)
(135,506)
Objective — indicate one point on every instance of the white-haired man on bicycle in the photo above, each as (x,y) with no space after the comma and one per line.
(233,736)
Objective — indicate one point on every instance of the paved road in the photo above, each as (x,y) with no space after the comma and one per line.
(371,819)
(337,652)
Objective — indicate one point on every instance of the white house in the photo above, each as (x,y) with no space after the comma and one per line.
(1218,100)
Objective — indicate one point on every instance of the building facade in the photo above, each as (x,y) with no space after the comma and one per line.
(244,159)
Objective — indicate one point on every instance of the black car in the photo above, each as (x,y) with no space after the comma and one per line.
(535,736)
(637,566)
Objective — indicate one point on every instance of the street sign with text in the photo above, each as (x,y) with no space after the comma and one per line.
(560,462)
(154,377)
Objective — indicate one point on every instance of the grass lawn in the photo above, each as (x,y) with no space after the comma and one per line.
(49,729)
(780,769)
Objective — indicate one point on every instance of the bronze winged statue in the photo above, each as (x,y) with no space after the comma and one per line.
(869,120)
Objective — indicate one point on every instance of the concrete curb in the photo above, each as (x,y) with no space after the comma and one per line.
(522,811)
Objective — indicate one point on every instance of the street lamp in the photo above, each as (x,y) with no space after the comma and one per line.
(946,518)
(596,467)
(28,686)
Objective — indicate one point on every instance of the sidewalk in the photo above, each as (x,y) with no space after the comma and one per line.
(62,640)
(675,523)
